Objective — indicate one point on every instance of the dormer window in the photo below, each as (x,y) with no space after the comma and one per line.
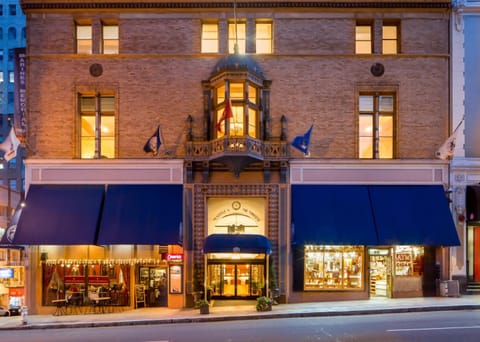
(241,119)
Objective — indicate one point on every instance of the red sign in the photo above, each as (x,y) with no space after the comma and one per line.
(16,291)
(175,257)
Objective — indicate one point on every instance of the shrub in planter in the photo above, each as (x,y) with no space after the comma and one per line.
(264,304)
(203,305)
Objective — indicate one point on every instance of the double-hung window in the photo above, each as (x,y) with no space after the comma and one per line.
(97,133)
(110,39)
(376,126)
(237,36)
(263,37)
(390,39)
(209,37)
(363,38)
(84,39)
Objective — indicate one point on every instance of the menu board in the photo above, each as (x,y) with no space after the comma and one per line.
(139,295)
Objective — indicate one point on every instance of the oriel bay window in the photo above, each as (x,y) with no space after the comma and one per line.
(97,134)
(242,117)
(333,267)
(376,125)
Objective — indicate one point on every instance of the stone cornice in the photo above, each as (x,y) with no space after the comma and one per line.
(105,5)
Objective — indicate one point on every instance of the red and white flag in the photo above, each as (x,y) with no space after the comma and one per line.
(447,150)
(10,145)
(227,114)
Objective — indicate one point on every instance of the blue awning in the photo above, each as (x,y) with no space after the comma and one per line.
(372,215)
(59,215)
(332,214)
(142,214)
(237,243)
(413,215)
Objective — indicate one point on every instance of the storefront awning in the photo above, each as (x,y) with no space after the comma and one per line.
(413,215)
(59,215)
(237,243)
(142,214)
(372,215)
(332,215)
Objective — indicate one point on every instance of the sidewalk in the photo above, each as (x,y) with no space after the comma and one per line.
(243,312)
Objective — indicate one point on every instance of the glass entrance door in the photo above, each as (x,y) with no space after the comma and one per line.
(236,280)
(380,272)
(473,253)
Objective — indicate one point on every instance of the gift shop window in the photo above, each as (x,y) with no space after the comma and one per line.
(333,268)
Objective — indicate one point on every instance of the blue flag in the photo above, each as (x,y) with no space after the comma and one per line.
(153,144)
(301,142)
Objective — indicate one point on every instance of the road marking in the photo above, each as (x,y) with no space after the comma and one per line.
(441,328)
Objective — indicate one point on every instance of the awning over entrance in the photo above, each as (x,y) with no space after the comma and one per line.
(372,215)
(332,215)
(59,215)
(413,215)
(142,214)
(237,243)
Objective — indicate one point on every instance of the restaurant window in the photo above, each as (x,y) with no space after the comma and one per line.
(209,38)
(84,39)
(376,126)
(242,118)
(390,39)
(409,261)
(333,268)
(263,37)
(363,39)
(97,113)
(82,284)
(110,39)
(236,34)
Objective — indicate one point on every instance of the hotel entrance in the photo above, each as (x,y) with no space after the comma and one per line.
(236,280)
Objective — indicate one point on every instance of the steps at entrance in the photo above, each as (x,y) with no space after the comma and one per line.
(233,302)
(473,288)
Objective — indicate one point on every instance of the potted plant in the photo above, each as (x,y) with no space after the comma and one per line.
(264,303)
(203,305)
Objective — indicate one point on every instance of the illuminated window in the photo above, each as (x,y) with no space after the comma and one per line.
(236,33)
(333,268)
(363,39)
(110,39)
(375,126)
(84,39)
(243,118)
(209,38)
(390,39)
(264,37)
(91,122)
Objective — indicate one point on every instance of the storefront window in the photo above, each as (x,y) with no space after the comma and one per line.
(82,283)
(408,261)
(333,267)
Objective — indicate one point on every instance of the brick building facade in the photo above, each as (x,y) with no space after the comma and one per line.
(372,77)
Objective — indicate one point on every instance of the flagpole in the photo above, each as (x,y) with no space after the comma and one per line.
(235,45)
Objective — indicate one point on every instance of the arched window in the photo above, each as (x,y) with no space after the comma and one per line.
(12,33)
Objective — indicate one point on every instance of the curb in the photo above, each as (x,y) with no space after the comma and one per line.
(212,318)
